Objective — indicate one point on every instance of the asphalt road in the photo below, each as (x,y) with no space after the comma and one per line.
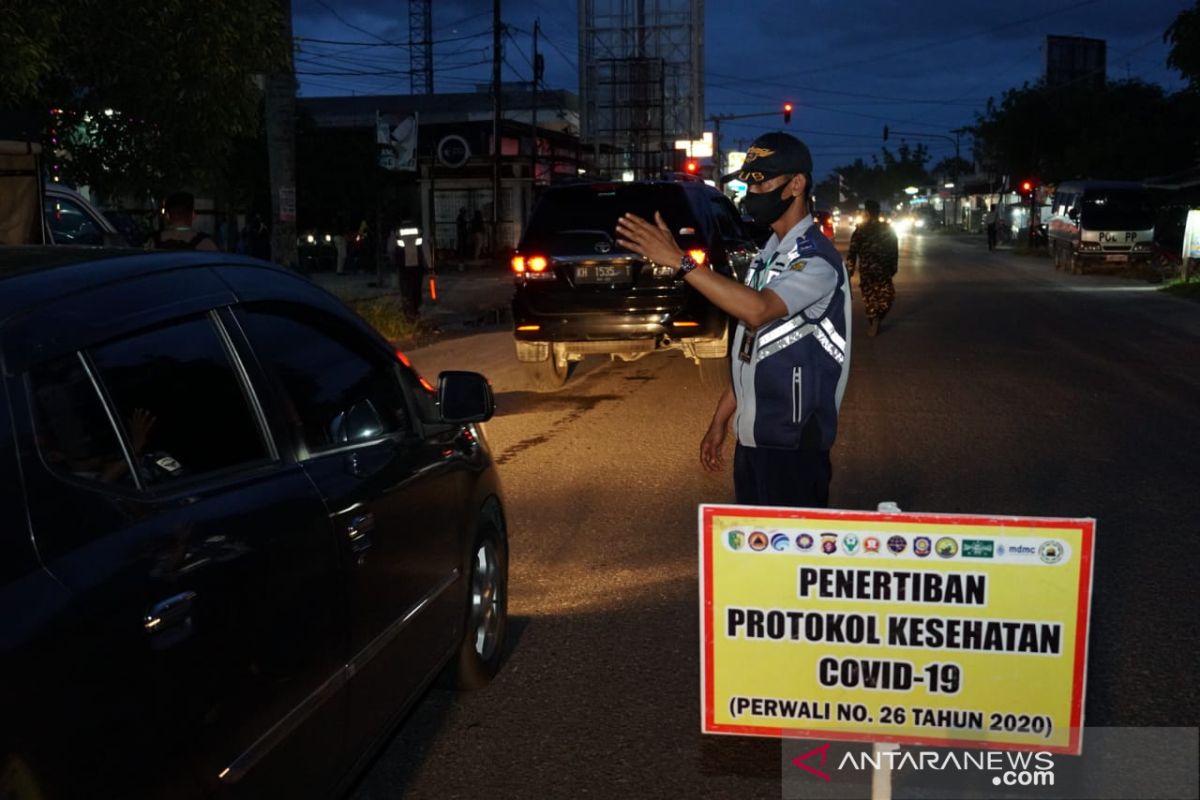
(997,386)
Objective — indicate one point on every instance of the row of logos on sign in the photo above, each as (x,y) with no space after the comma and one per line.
(1050,551)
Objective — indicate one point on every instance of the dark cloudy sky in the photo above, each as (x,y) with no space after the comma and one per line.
(849,67)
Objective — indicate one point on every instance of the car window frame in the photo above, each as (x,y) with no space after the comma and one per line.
(35,426)
(298,452)
(139,490)
(214,478)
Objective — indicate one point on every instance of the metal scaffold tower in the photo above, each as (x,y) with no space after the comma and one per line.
(420,46)
(641,76)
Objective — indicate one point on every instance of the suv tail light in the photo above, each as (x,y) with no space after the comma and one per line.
(532,268)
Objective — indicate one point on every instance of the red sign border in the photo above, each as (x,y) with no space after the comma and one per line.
(1074,745)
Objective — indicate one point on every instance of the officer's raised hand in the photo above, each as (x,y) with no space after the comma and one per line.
(653,242)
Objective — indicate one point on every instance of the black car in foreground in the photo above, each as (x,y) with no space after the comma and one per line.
(239,534)
(579,292)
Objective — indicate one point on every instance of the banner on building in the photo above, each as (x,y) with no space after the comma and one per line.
(956,631)
(397,141)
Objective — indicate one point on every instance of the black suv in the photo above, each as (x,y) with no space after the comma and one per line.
(580,293)
(239,535)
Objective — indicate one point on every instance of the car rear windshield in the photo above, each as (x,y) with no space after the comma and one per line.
(597,208)
(1117,209)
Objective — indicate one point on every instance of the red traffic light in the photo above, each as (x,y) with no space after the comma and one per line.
(787,112)
(691,167)
(1026,186)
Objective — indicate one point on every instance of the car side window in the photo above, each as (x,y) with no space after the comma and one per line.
(183,407)
(337,387)
(74,434)
(70,224)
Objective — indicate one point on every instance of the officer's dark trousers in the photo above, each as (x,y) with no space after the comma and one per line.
(766,477)
(411,289)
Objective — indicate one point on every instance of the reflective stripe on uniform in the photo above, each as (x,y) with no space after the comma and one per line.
(834,336)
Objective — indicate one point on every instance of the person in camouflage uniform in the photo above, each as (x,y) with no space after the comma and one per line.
(875,251)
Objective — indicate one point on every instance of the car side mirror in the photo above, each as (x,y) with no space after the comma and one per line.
(465,397)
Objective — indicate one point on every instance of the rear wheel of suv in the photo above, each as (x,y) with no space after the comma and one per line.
(550,373)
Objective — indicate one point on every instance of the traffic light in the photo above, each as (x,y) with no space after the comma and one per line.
(1027,186)
(787,113)
(885,133)
(691,167)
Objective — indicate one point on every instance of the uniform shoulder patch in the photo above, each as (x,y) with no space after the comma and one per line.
(806,246)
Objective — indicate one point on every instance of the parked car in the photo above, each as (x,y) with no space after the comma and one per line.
(579,292)
(239,534)
(71,219)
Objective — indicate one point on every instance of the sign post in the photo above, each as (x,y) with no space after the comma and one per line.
(888,627)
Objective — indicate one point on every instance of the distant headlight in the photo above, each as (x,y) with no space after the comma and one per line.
(920,223)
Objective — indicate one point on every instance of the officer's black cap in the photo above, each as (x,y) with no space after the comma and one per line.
(773,154)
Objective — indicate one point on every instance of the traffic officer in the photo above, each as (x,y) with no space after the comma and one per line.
(875,251)
(408,251)
(791,350)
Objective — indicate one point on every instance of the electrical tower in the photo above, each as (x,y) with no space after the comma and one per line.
(641,76)
(420,46)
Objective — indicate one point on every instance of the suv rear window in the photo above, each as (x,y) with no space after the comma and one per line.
(597,208)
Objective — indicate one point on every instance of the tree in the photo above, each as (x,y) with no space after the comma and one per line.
(1184,36)
(952,166)
(885,178)
(150,96)
(1120,130)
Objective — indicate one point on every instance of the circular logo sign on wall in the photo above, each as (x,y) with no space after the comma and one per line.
(453,150)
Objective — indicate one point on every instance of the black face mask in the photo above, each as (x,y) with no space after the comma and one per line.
(766,207)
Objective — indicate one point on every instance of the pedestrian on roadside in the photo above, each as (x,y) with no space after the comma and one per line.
(791,351)
(875,251)
(339,249)
(409,255)
(991,221)
(477,235)
(460,234)
(178,234)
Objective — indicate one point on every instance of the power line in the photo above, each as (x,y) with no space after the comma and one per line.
(349,25)
(391,72)
(386,43)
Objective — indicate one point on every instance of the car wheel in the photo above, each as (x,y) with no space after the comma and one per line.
(487,611)
(549,373)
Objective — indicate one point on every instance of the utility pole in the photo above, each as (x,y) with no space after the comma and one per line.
(533,140)
(280,112)
(497,27)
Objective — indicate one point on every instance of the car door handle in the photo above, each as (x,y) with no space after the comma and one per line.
(173,611)
(359,533)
